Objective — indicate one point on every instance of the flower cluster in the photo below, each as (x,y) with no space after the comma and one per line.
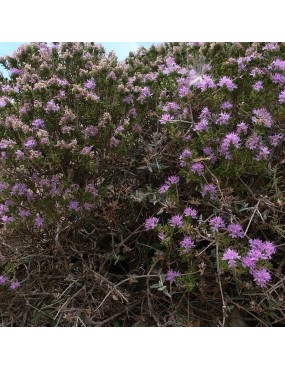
(13,284)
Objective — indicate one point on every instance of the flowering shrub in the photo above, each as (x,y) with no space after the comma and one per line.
(61,128)
(174,155)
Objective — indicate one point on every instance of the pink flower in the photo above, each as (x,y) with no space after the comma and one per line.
(151,223)
(235,231)
(227,82)
(176,221)
(187,243)
(190,212)
(282,97)
(172,275)
(231,256)
(15,285)
(216,223)
(261,277)
(39,221)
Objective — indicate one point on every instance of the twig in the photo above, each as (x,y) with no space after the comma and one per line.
(224,308)
(251,218)
(120,283)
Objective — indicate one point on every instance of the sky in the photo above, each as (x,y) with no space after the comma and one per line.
(122,49)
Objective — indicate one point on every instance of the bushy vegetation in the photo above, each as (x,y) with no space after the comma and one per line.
(147,192)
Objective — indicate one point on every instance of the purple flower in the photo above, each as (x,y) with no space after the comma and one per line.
(165,118)
(258,86)
(163,189)
(90,188)
(268,249)
(197,168)
(231,256)
(223,118)
(73,206)
(90,84)
(90,131)
(263,153)
(190,212)
(172,180)
(3,280)
(144,93)
(226,105)
(172,275)
(253,141)
(133,112)
(183,90)
(242,128)
(209,189)
(7,219)
(38,123)
(39,221)
(278,64)
(275,139)
(88,206)
(176,221)
(202,125)
(270,46)
(248,261)
(282,97)
(3,102)
(30,143)
(187,243)
(15,71)
(52,106)
(216,223)
(260,249)
(24,213)
(205,114)
(19,154)
(262,117)
(235,231)
(128,99)
(171,106)
(151,223)
(278,78)
(227,82)
(261,277)
(233,138)
(15,285)
(161,236)
(184,155)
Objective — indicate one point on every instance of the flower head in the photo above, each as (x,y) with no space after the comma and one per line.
(258,86)
(190,212)
(39,221)
(172,275)
(261,277)
(163,189)
(90,84)
(198,168)
(187,243)
(282,97)
(176,221)
(217,223)
(231,256)
(209,189)
(172,180)
(52,106)
(15,285)
(235,231)
(227,83)
(165,118)
(3,280)
(151,223)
